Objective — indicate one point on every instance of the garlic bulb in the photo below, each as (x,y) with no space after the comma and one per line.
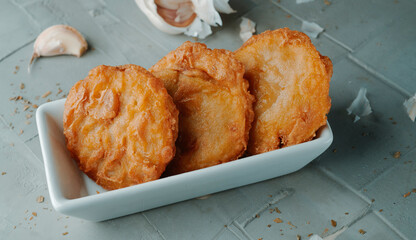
(59,40)
(191,17)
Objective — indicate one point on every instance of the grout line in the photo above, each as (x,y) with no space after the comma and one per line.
(31,138)
(337,42)
(389,169)
(4,121)
(242,230)
(216,236)
(22,7)
(280,195)
(134,26)
(363,197)
(154,226)
(385,221)
(364,213)
(39,162)
(17,49)
(287,10)
(380,76)
(230,227)
(241,226)
(341,182)
(24,4)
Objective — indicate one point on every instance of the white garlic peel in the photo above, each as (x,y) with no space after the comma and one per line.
(360,107)
(315,237)
(206,14)
(59,40)
(222,6)
(247,28)
(198,29)
(311,29)
(303,1)
(410,105)
(205,10)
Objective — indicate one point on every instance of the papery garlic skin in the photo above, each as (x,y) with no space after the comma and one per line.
(59,40)
(311,29)
(198,29)
(360,107)
(410,105)
(205,10)
(303,1)
(196,23)
(247,28)
(222,6)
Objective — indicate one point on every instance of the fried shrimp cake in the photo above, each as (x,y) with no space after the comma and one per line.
(215,107)
(120,125)
(290,81)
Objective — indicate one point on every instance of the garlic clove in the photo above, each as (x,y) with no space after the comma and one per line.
(59,40)
(149,8)
(178,13)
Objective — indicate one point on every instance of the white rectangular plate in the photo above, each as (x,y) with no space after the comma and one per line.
(73,193)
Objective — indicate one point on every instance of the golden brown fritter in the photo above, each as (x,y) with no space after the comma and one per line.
(120,125)
(215,107)
(290,81)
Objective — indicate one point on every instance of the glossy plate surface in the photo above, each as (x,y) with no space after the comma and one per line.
(73,193)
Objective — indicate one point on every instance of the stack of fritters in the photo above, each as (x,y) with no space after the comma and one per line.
(215,107)
(121,123)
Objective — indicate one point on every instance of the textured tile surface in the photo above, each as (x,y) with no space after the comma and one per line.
(363,150)
(17,29)
(304,208)
(393,53)
(352,23)
(394,193)
(369,227)
(268,17)
(208,212)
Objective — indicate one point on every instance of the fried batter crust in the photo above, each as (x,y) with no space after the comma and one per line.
(290,81)
(120,126)
(215,107)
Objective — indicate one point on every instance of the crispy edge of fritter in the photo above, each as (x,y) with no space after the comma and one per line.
(290,37)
